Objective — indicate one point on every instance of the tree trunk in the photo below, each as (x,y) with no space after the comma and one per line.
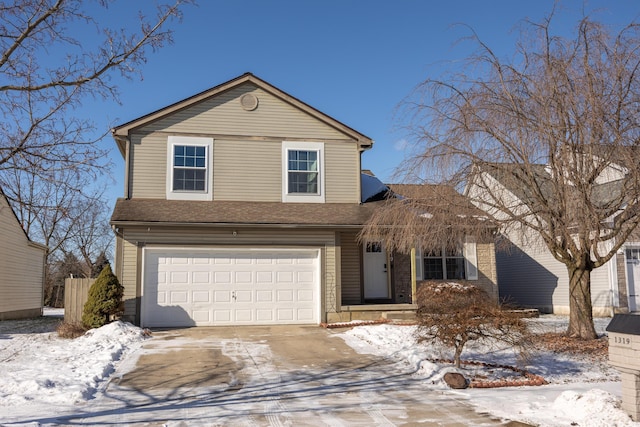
(581,312)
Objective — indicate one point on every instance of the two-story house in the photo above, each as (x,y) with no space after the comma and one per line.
(242,205)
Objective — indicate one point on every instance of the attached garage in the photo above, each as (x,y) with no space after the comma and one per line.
(227,286)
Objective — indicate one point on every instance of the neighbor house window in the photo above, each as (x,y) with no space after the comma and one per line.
(302,171)
(189,165)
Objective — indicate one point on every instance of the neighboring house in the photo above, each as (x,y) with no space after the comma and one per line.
(21,268)
(242,205)
(529,275)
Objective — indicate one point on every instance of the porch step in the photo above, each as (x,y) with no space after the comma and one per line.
(399,315)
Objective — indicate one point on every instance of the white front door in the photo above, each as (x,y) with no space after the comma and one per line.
(376,283)
(633,278)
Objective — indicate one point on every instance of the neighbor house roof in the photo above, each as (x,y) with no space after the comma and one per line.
(31,242)
(123,130)
(240,213)
(508,175)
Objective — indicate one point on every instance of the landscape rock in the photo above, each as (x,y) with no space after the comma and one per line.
(456,380)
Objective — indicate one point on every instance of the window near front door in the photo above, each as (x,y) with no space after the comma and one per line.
(302,171)
(374,247)
(189,168)
(444,264)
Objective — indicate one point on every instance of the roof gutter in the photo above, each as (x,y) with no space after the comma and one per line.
(227,224)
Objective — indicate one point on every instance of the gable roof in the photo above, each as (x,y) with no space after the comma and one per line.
(18,224)
(123,130)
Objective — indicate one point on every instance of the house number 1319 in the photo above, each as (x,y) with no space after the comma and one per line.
(622,340)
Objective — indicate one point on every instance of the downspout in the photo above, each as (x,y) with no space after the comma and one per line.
(413,275)
(127,156)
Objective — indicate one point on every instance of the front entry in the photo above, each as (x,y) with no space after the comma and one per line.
(633,278)
(376,277)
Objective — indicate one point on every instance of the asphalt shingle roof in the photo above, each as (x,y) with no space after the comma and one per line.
(239,212)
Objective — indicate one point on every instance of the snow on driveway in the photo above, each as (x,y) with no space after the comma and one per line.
(45,377)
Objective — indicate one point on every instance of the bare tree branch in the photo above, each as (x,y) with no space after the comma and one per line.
(547,143)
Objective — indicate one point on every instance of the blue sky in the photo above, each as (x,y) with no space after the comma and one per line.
(353,60)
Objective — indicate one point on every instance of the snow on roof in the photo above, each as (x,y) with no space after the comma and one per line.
(371,187)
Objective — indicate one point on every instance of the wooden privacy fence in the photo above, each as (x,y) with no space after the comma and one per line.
(76,293)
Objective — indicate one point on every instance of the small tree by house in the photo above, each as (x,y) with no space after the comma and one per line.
(455,313)
(105,300)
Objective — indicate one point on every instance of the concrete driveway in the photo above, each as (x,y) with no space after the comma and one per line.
(269,376)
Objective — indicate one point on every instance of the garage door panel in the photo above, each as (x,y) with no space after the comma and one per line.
(221,296)
(201,277)
(212,287)
(201,297)
(285,314)
(222,316)
(201,316)
(264,296)
(305,296)
(243,277)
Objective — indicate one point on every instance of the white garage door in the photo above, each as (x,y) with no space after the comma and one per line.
(223,287)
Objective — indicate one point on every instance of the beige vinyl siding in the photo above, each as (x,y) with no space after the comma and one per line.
(342,173)
(129,278)
(244,169)
(21,268)
(247,170)
(223,237)
(148,166)
(350,269)
(223,115)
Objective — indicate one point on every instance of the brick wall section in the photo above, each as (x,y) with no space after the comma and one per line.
(401,277)
(487,273)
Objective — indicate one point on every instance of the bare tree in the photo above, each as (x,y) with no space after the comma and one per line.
(55,55)
(48,71)
(427,217)
(457,313)
(546,142)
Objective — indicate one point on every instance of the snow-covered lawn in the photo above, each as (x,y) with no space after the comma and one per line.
(582,391)
(38,371)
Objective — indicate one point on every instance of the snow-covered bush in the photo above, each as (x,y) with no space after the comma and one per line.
(454,313)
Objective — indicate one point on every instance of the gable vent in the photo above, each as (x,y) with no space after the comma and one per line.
(249,101)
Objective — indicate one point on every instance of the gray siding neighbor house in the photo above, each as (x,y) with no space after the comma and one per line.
(528,274)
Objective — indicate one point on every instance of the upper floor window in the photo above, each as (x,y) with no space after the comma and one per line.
(189,168)
(303,172)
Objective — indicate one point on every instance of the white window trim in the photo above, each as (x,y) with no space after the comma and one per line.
(302,198)
(190,195)
(469,254)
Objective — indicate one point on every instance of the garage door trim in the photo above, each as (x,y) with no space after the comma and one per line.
(313,253)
